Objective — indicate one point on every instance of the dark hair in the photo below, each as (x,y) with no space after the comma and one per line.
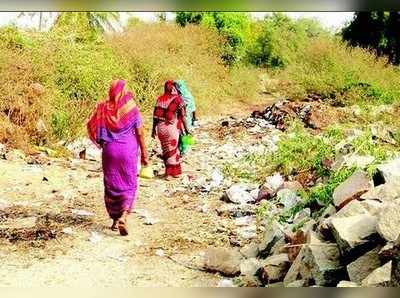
(177,88)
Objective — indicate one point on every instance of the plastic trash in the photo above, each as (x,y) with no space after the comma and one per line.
(146,172)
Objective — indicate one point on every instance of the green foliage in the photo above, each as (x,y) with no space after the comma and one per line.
(84,71)
(84,26)
(376,30)
(185,17)
(342,74)
(12,38)
(133,21)
(280,40)
(322,193)
(235,28)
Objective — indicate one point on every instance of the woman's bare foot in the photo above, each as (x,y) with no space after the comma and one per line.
(114,225)
(122,226)
(167,177)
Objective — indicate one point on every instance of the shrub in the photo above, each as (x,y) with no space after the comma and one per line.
(280,39)
(234,28)
(334,70)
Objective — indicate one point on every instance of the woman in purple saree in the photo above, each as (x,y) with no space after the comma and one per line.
(116,127)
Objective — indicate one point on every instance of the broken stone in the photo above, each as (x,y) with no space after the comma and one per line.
(352,188)
(347,284)
(387,252)
(249,266)
(274,269)
(358,161)
(245,221)
(247,232)
(387,192)
(390,170)
(238,194)
(225,261)
(355,235)
(297,284)
(319,262)
(380,277)
(272,235)
(249,250)
(364,265)
(372,207)
(389,221)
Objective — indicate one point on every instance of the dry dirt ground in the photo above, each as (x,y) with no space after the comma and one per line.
(44,241)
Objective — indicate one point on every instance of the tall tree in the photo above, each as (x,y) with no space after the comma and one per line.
(393,37)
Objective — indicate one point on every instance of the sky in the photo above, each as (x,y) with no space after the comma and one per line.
(331,20)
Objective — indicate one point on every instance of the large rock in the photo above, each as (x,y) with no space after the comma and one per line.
(364,265)
(353,208)
(389,221)
(250,266)
(225,261)
(352,188)
(318,263)
(390,170)
(387,192)
(272,235)
(250,250)
(274,269)
(373,207)
(355,235)
(380,277)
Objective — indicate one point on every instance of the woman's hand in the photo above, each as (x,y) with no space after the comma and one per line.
(144,159)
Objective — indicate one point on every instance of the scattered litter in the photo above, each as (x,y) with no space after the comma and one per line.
(288,198)
(274,182)
(248,232)
(216,178)
(160,253)
(226,283)
(95,237)
(244,221)
(4,204)
(68,231)
(238,194)
(80,212)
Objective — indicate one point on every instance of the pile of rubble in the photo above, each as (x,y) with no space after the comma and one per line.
(354,242)
(314,114)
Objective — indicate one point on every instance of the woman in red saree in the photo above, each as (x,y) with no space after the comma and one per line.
(168,121)
(116,128)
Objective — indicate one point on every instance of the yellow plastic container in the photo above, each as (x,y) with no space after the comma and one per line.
(146,172)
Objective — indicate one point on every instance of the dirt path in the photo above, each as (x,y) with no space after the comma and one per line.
(44,240)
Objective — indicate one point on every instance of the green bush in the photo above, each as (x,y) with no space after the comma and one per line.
(347,75)
(280,39)
(235,28)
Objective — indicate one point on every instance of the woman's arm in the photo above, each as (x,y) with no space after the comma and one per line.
(139,132)
(182,116)
(153,130)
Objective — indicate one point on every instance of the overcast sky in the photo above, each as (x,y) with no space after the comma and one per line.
(331,20)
